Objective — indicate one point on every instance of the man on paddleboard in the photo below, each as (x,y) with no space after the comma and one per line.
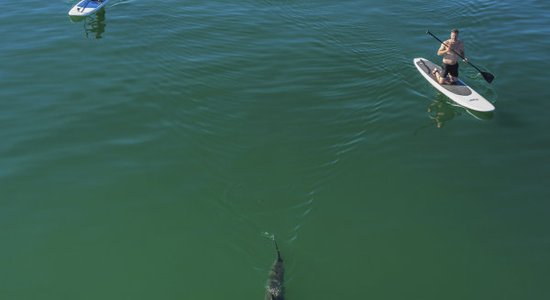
(450,59)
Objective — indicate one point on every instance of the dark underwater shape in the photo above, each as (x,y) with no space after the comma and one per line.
(274,287)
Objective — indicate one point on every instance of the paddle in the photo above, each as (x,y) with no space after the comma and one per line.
(486,75)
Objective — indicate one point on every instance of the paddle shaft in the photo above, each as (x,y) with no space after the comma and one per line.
(84,7)
(489,77)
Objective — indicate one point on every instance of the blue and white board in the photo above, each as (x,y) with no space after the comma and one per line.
(458,92)
(86,7)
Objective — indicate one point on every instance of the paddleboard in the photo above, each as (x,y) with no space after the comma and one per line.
(86,7)
(459,92)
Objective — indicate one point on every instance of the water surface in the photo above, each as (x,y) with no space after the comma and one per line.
(147,149)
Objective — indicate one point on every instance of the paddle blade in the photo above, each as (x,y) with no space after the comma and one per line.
(488,76)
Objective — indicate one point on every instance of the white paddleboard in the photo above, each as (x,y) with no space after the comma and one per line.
(459,92)
(86,7)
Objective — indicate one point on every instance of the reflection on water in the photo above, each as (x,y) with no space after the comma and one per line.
(94,25)
(442,111)
(483,116)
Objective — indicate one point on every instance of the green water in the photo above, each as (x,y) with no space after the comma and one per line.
(146,151)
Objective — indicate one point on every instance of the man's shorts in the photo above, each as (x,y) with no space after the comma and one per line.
(450,69)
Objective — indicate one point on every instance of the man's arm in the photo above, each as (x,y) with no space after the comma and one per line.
(462,52)
(442,50)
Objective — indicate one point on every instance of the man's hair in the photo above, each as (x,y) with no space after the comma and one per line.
(454,30)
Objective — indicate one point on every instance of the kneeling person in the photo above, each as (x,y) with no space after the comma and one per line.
(449,50)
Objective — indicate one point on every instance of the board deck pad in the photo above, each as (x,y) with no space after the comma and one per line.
(457,88)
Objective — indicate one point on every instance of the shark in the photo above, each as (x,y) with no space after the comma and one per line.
(274,289)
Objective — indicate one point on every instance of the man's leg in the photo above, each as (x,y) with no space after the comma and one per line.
(440,79)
